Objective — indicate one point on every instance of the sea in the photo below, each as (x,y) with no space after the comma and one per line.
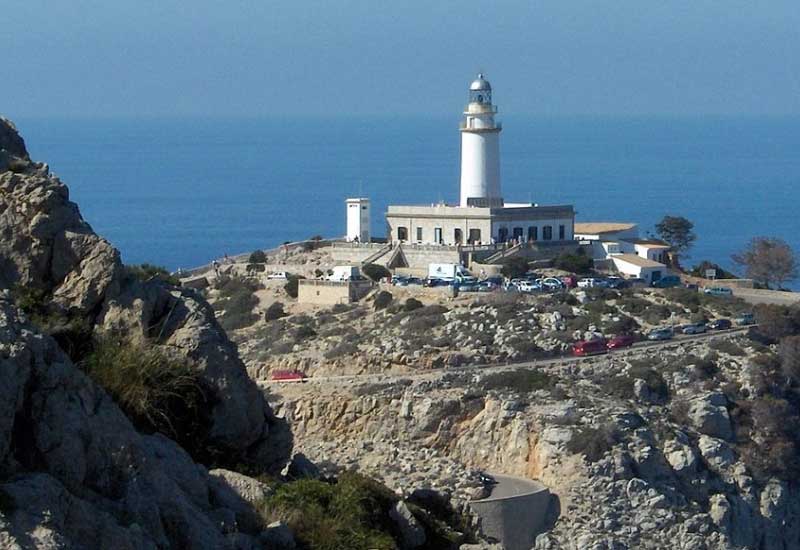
(179,192)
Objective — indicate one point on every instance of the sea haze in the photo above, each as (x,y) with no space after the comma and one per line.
(181,191)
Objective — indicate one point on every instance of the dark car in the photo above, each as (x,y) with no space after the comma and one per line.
(669,281)
(720,324)
(621,341)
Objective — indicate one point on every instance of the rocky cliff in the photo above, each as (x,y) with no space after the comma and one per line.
(48,246)
(74,472)
(649,449)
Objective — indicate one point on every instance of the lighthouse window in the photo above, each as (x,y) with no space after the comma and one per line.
(547,233)
(561,232)
(419,234)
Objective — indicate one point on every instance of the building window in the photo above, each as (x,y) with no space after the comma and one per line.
(402,233)
(458,237)
(533,233)
(502,234)
(419,234)
(547,233)
(437,235)
(474,236)
(561,232)
(517,233)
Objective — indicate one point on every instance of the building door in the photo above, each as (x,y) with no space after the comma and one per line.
(517,233)
(502,234)
(437,235)
(655,276)
(458,237)
(402,234)
(533,233)
(474,236)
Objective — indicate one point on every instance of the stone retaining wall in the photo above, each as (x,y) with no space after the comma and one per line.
(517,516)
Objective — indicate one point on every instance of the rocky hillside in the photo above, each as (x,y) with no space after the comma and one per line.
(672,447)
(74,471)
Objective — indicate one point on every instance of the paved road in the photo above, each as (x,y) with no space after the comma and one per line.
(566,359)
(758,296)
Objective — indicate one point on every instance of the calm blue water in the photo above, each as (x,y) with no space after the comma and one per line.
(179,192)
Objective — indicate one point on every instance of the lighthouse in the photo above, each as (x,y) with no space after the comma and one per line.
(480,148)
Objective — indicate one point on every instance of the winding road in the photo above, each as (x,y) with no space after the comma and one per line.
(495,367)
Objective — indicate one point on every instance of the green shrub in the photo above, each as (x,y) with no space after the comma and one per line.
(274,311)
(159,393)
(412,304)
(145,272)
(690,299)
(656,313)
(514,267)
(376,272)
(257,257)
(340,350)
(727,346)
(579,263)
(634,305)
(382,300)
(622,386)
(519,380)
(237,301)
(622,325)
(776,322)
(292,285)
(352,513)
(594,443)
(599,308)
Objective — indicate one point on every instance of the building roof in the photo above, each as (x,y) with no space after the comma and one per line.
(636,260)
(597,228)
(480,84)
(650,243)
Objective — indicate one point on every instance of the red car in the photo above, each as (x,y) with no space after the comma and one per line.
(288,376)
(570,281)
(589,347)
(621,341)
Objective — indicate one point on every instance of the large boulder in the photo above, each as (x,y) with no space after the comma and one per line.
(709,415)
(47,246)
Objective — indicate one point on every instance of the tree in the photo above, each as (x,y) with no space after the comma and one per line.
(578,263)
(514,267)
(257,257)
(376,272)
(677,232)
(768,260)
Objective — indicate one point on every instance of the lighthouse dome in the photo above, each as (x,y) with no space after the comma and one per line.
(480,84)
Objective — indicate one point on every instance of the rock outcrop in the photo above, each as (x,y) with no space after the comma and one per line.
(74,471)
(47,246)
(76,474)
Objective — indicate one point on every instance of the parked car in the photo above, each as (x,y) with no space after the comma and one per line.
(278,275)
(720,324)
(588,282)
(590,347)
(664,333)
(527,286)
(670,281)
(745,319)
(467,287)
(550,283)
(569,281)
(718,291)
(288,376)
(694,328)
(635,282)
(621,341)
(399,280)
(414,281)
(487,286)
(615,282)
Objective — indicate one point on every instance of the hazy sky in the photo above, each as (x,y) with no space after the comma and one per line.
(341,57)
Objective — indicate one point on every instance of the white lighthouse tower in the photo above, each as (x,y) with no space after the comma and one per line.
(480,148)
